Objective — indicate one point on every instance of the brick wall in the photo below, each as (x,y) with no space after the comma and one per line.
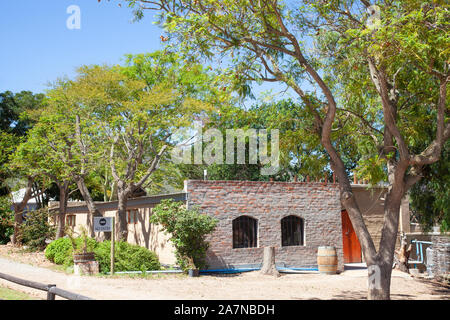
(268,202)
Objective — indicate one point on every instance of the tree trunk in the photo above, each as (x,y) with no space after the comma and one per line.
(380,271)
(379,263)
(122,222)
(379,281)
(92,208)
(18,220)
(61,223)
(268,266)
(18,211)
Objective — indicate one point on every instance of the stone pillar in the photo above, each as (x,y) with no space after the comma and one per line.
(441,256)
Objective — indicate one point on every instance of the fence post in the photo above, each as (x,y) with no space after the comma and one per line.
(50,296)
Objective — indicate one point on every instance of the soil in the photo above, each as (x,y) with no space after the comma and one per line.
(350,284)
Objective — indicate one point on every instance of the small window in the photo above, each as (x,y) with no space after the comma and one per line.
(71,220)
(292,231)
(132,216)
(244,232)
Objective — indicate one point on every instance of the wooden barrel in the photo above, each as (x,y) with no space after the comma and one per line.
(327,260)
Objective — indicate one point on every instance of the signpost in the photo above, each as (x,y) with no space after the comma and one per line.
(106,224)
(113,236)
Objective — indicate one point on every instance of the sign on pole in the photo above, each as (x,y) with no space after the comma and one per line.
(106,224)
(103,224)
(113,240)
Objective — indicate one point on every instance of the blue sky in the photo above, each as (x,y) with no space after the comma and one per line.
(37,47)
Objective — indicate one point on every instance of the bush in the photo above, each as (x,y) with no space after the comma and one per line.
(60,251)
(128,257)
(36,229)
(6,220)
(188,229)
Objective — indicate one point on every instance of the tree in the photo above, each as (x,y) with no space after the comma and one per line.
(6,220)
(41,156)
(15,110)
(430,197)
(134,119)
(404,53)
(70,130)
(15,121)
(298,160)
(187,229)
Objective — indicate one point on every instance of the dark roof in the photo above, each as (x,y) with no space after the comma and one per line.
(142,202)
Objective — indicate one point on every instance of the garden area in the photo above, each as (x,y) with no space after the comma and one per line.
(349,285)
(335,91)
(39,247)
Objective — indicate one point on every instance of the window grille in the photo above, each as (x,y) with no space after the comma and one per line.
(132,216)
(71,220)
(292,231)
(245,232)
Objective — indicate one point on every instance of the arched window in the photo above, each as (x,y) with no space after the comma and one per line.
(292,231)
(245,232)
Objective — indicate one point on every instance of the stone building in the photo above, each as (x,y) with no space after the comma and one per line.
(294,217)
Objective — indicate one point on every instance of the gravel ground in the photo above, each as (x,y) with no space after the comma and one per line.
(351,284)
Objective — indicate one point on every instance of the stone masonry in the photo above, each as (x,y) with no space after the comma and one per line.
(441,256)
(316,203)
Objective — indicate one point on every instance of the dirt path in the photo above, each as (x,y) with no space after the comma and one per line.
(350,284)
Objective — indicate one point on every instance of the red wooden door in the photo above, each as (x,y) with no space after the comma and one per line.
(352,248)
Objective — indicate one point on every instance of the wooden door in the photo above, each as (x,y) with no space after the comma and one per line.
(352,248)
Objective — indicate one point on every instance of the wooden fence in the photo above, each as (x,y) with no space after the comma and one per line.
(51,289)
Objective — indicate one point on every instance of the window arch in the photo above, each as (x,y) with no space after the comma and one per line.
(292,230)
(245,230)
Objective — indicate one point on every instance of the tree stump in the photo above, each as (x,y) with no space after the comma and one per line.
(268,266)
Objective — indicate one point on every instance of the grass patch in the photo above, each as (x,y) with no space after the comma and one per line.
(9,294)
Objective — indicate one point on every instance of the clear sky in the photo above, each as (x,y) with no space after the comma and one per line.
(37,47)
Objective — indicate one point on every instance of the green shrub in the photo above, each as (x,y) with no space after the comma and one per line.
(36,230)
(6,220)
(128,257)
(60,251)
(187,230)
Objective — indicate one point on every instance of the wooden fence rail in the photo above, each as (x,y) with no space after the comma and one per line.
(51,289)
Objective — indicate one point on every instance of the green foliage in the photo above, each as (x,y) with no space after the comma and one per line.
(430,197)
(128,257)
(6,220)
(60,251)
(187,230)
(36,229)
(15,121)
(15,110)
(83,243)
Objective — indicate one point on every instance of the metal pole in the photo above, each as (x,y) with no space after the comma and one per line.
(113,236)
